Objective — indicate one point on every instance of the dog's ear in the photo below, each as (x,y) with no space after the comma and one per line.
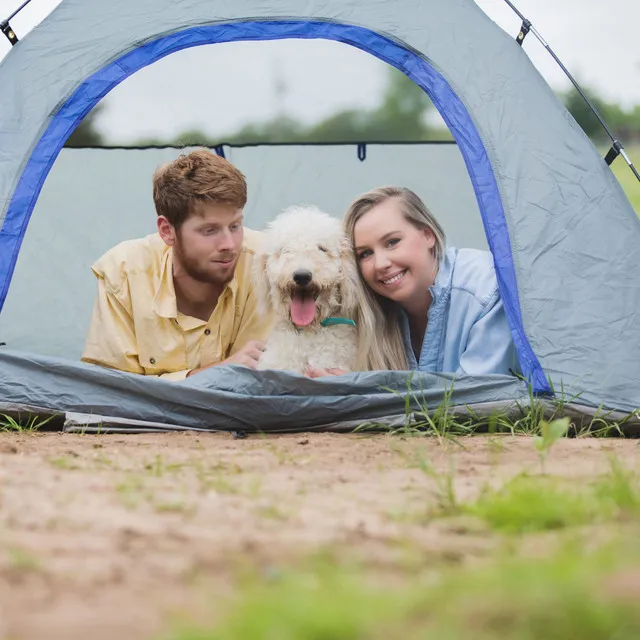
(262,289)
(350,285)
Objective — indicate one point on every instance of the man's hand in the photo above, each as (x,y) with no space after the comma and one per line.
(248,356)
(318,372)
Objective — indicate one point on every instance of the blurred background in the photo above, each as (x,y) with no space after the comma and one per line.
(310,91)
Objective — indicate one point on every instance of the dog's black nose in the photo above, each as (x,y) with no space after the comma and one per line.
(302,277)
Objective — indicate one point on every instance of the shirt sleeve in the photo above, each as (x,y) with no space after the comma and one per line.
(254,325)
(111,341)
(490,347)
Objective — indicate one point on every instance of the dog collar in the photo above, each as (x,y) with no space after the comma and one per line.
(328,322)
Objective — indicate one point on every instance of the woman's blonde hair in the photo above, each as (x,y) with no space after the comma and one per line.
(381,345)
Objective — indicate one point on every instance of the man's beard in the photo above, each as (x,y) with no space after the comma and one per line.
(195,271)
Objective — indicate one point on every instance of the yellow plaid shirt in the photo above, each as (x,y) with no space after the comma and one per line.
(136,325)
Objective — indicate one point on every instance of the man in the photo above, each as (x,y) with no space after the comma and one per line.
(181,300)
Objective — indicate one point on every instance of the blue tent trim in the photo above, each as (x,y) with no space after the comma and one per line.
(94,88)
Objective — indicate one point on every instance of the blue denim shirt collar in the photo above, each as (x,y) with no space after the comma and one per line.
(432,352)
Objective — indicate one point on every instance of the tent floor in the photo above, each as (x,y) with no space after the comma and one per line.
(584,420)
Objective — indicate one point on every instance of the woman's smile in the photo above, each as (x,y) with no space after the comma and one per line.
(394,280)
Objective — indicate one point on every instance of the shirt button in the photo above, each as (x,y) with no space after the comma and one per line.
(152,360)
(207,332)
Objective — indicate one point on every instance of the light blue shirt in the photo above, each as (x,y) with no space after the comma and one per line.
(467,329)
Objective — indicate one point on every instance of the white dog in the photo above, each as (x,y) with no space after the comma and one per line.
(306,279)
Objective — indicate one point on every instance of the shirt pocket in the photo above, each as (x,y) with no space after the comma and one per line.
(162,353)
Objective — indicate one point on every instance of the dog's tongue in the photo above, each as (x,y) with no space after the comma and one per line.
(303,309)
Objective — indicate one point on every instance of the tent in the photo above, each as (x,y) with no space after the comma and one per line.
(522,179)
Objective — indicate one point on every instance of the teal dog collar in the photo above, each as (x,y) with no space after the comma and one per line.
(328,322)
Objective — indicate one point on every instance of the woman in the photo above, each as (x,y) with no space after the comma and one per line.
(426,307)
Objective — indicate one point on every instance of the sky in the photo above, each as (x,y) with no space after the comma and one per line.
(218,88)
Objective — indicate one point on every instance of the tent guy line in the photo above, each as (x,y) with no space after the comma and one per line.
(616,146)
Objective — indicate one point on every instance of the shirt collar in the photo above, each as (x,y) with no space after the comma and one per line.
(164,300)
(430,353)
(444,277)
(165,303)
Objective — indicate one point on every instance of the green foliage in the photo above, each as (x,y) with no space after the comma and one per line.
(444,483)
(507,598)
(26,423)
(536,503)
(551,598)
(625,124)
(550,433)
(86,134)
(554,598)
(22,561)
(319,604)
(625,177)
(620,490)
(533,417)
(400,116)
(529,503)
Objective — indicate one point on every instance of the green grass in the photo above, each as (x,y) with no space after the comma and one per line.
(20,560)
(532,417)
(20,424)
(575,587)
(63,462)
(443,492)
(566,595)
(529,503)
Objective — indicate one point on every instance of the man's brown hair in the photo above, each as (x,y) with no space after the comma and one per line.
(198,177)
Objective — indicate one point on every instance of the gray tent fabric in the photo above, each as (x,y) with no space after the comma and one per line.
(565,239)
(229,397)
(98,216)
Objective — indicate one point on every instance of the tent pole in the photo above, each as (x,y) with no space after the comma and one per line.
(616,147)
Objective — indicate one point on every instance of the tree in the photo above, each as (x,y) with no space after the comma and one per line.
(624,124)
(400,116)
(85,134)
(404,108)
(583,115)
(281,128)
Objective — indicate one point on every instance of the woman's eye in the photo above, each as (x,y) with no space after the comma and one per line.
(364,254)
(393,242)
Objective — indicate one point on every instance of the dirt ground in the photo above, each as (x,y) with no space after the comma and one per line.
(114,536)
